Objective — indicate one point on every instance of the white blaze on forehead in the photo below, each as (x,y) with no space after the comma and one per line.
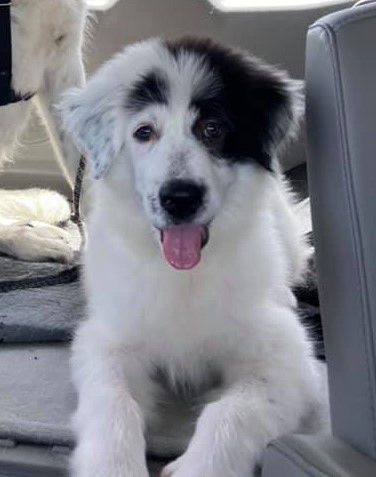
(190,76)
(187,72)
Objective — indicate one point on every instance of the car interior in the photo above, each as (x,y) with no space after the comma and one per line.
(331,45)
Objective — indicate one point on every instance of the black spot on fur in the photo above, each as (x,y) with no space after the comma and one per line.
(251,98)
(60,39)
(151,88)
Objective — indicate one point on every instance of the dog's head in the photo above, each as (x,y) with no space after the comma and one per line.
(185,115)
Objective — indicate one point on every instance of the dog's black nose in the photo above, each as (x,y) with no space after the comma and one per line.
(181,198)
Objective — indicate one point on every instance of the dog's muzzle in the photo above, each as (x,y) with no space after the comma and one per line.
(181,201)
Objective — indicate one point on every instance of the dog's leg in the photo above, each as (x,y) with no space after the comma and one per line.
(36,242)
(265,402)
(13,118)
(109,420)
(42,241)
(66,74)
(231,434)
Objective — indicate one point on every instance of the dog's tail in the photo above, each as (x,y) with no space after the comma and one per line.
(33,205)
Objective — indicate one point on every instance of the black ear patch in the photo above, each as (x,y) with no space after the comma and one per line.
(151,88)
(257,100)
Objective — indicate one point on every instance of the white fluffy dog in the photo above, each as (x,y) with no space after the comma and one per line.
(47,38)
(193,346)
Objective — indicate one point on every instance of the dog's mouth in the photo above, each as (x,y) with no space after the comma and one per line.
(182,244)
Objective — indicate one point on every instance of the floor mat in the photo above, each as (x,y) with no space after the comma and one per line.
(36,395)
(47,313)
(40,301)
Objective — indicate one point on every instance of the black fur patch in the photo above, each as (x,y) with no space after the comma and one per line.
(150,89)
(253,100)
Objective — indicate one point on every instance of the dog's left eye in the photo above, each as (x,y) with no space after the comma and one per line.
(212,130)
(144,133)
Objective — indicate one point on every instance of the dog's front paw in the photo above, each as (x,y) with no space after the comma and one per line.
(172,469)
(39,242)
(91,460)
(185,466)
(169,469)
(205,466)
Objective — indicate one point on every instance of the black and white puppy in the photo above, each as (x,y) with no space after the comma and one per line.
(193,346)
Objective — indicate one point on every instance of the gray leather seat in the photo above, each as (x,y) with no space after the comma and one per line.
(341,129)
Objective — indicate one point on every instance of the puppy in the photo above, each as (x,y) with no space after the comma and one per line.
(47,38)
(192,347)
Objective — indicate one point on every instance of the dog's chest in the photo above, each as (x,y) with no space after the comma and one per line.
(187,389)
(177,407)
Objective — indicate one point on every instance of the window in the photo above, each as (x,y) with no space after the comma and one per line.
(100,4)
(249,5)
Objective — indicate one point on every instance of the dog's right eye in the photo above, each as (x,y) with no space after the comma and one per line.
(144,133)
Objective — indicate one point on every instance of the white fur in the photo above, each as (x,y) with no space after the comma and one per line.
(232,315)
(29,225)
(47,38)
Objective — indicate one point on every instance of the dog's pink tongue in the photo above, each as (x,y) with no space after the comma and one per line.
(182,246)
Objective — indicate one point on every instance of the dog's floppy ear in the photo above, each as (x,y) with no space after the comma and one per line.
(276,103)
(267,106)
(262,103)
(285,106)
(91,117)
